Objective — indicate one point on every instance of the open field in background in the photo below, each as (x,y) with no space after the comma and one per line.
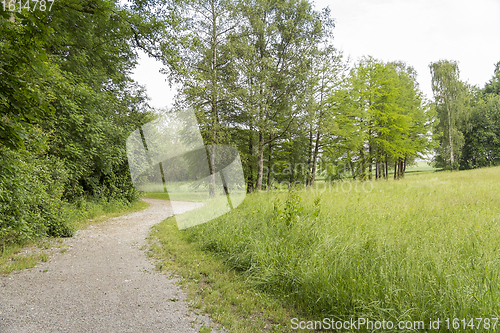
(182,193)
(421,166)
(424,247)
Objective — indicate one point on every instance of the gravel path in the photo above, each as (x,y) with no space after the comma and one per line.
(102,283)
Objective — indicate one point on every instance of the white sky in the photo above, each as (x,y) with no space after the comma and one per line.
(415,31)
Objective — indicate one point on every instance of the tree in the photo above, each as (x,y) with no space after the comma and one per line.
(25,73)
(493,86)
(416,118)
(209,70)
(273,50)
(326,75)
(451,99)
(380,118)
(482,138)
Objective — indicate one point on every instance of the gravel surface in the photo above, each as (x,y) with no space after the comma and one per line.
(104,282)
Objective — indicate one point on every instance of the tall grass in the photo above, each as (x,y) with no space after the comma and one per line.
(85,211)
(415,249)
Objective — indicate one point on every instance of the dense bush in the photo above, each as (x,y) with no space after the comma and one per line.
(31,189)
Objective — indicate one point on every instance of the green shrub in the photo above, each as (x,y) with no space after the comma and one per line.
(31,188)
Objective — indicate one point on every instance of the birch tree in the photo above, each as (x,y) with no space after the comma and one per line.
(451,100)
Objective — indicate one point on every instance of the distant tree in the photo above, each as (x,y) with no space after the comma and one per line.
(482,135)
(493,86)
(326,75)
(380,118)
(417,118)
(451,99)
(208,73)
(482,139)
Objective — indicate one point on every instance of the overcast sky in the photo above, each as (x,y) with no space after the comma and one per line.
(417,32)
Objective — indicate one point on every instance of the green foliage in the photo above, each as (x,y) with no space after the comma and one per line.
(289,213)
(452,99)
(482,135)
(380,118)
(24,67)
(96,104)
(493,86)
(31,188)
(67,105)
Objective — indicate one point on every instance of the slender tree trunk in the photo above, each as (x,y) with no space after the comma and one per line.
(213,102)
(211,185)
(309,158)
(260,165)
(315,158)
(400,168)
(250,152)
(269,167)
(386,167)
(362,171)
(370,159)
(261,115)
(452,157)
(404,167)
(396,169)
(318,132)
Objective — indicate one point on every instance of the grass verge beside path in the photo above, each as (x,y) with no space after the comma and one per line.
(213,288)
(15,257)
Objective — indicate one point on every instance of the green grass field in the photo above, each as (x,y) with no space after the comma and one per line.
(420,167)
(426,247)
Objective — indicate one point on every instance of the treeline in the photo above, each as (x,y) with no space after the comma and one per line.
(265,77)
(67,105)
(469,119)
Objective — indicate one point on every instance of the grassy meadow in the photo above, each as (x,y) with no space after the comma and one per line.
(420,167)
(426,247)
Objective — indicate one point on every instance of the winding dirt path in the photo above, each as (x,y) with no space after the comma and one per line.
(102,283)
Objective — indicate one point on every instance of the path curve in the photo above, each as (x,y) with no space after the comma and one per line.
(102,283)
